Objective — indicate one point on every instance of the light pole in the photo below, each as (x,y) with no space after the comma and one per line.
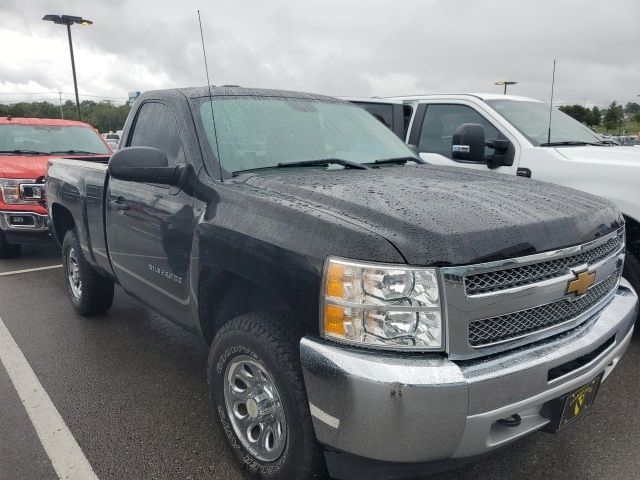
(69,20)
(505,83)
(61,112)
(109,110)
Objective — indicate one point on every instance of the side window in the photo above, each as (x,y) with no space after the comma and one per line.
(156,127)
(381,111)
(407,113)
(440,121)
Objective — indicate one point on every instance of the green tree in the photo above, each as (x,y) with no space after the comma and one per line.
(596,116)
(104,116)
(632,107)
(614,116)
(578,112)
(636,117)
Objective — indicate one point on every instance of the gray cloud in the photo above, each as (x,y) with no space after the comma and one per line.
(357,48)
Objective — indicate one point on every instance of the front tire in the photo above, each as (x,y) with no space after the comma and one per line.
(631,270)
(90,293)
(8,250)
(259,399)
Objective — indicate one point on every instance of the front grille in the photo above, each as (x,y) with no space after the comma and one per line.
(499,329)
(527,274)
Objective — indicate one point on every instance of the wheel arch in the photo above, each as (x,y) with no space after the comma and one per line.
(61,222)
(224,295)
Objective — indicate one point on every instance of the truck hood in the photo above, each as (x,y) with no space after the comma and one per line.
(23,166)
(446,215)
(623,156)
(28,166)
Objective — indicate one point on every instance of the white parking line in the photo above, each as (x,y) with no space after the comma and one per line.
(27,270)
(64,452)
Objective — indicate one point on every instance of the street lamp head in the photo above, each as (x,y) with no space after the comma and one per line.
(69,20)
(66,19)
(505,82)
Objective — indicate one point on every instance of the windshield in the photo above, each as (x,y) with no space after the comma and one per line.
(50,138)
(532,120)
(260,132)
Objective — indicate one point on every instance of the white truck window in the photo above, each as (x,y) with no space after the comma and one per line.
(383,112)
(441,120)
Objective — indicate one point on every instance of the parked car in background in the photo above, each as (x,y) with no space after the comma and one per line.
(515,139)
(112,139)
(366,313)
(628,140)
(26,145)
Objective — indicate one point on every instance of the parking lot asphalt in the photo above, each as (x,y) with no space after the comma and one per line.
(131,388)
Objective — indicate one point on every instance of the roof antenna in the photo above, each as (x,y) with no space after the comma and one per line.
(553,82)
(213,118)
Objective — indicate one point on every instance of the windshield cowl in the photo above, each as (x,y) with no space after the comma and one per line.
(575,143)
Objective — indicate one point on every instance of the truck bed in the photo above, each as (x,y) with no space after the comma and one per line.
(79,185)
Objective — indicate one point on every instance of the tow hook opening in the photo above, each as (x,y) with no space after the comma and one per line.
(512,421)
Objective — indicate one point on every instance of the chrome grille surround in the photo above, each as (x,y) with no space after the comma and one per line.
(486,323)
(518,324)
(515,277)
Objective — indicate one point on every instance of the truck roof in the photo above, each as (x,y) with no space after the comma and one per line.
(372,100)
(42,121)
(198,92)
(481,96)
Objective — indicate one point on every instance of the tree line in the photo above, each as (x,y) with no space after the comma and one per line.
(612,117)
(104,116)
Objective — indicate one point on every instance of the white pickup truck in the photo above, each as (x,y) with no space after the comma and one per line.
(517,141)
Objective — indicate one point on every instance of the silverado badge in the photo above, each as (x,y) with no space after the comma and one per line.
(581,283)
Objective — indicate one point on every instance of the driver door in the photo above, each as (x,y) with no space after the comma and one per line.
(433,128)
(149,226)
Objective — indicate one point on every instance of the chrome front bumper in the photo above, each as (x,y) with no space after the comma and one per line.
(425,408)
(18,221)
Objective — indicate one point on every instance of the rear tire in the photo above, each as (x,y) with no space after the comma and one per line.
(257,407)
(90,293)
(8,250)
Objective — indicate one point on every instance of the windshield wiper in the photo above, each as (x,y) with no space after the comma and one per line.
(397,161)
(76,152)
(23,152)
(571,143)
(322,162)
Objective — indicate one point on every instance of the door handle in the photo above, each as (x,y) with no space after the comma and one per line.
(119,204)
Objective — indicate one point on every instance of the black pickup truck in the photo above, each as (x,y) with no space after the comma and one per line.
(367,314)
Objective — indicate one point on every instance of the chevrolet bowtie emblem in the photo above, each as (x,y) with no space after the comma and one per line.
(581,283)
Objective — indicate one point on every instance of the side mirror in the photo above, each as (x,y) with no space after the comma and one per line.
(468,143)
(145,165)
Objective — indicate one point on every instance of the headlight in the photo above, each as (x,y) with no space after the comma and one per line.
(10,188)
(384,306)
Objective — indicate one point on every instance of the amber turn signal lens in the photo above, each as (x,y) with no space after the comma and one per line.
(335,281)
(334,320)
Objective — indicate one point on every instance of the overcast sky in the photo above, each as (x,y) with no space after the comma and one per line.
(357,48)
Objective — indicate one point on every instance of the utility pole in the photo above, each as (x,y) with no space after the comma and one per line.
(61,111)
(109,110)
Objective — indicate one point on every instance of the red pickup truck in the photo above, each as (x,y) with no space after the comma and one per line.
(26,145)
